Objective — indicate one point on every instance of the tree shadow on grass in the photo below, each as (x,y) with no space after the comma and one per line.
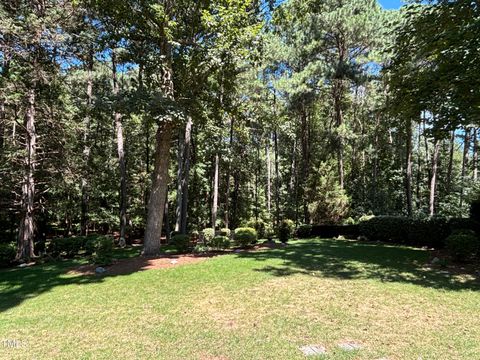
(343,259)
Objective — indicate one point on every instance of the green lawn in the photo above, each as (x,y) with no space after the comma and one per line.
(255,305)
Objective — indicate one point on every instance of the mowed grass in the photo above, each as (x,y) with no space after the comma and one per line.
(252,305)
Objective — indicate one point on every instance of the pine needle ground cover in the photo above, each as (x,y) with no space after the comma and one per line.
(252,305)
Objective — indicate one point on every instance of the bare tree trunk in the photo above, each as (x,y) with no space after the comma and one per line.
(215,193)
(2,124)
(183,175)
(158,193)
(433,180)
(86,149)
(277,180)
(229,168)
(121,157)
(419,170)
(27,223)
(337,101)
(306,162)
(450,162)
(466,149)
(269,179)
(408,174)
(167,219)
(475,155)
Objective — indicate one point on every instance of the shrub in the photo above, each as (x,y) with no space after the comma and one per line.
(200,249)
(386,228)
(7,254)
(475,210)
(464,223)
(68,247)
(430,232)
(220,242)
(208,234)
(225,232)
(245,236)
(349,221)
(304,231)
(285,230)
(259,225)
(101,249)
(462,246)
(194,235)
(181,242)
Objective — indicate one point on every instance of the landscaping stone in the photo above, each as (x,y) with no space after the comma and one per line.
(435,260)
(173,261)
(313,350)
(100,270)
(350,346)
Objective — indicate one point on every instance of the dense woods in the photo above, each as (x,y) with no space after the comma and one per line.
(147,117)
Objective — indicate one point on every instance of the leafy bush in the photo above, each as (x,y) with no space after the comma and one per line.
(259,225)
(194,235)
(220,242)
(349,221)
(464,223)
(386,228)
(7,254)
(208,234)
(462,246)
(68,247)
(101,249)
(200,249)
(475,210)
(181,242)
(225,232)
(285,230)
(304,231)
(245,236)
(430,232)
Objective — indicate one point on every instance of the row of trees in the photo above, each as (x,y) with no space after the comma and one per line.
(118,115)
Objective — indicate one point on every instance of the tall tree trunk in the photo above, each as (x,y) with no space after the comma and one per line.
(269,179)
(408,173)
(419,170)
(215,193)
(229,169)
(466,149)
(450,162)
(86,149)
(121,155)
(180,155)
(2,124)
(475,155)
(183,175)
(27,223)
(433,180)
(306,162)
(158,193)
(337,104)
(277,179)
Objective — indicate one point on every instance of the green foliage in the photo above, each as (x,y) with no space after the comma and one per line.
(7,254)
(225,232)
(259,225)
(101,249)
(67,247)
(475,210)
(220,243)
(208,234)
(181,242)
(304,231)
(463,246)
(200,249)
(245,236)
(330,202)
(285,230)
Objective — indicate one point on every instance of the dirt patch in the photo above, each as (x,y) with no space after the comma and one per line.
(128,266)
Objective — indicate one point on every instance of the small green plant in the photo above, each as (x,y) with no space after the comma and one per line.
(220,243)
(67,247)
(285,230)
(245,236)
(181,242)
(101,249)
(200,249)
(208,234)
(259,225)
(7,254)
(462,247)
(304,231)
(225,232)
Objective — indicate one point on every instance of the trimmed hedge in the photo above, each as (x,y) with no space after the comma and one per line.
(431,232)
(245,236)
(330,231)
(208,234)
(220,242)
(101,249)
(304,231)
(463,246)
(260,226)
(67,247)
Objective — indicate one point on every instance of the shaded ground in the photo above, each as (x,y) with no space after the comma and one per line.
(128,266)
